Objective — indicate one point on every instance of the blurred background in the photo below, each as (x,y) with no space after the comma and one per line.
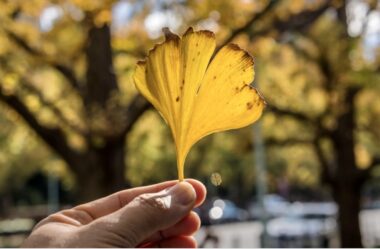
(73,127)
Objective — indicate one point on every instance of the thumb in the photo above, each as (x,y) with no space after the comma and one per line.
(150,213)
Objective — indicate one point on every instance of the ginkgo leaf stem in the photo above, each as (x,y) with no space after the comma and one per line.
(180,168)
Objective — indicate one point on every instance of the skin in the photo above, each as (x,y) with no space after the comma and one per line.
(152,216)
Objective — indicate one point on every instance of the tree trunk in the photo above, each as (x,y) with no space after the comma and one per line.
(347,196)
(100,76)
(102,172)
(347,180)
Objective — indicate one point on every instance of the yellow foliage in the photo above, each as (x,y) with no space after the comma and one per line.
(29,31)
(149,147)
(92,5)
(4,44)
(32,102)
(31,7)
(64,41)
(362,156)
(300,161)
(318,99)
(9,83)
(103,17)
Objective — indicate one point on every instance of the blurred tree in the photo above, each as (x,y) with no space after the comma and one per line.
(330,92)
(65,67)
(59,76)
(68,76)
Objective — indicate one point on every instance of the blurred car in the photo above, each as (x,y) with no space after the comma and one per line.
(371,205)
(306,225)
(274,206)
(219,211)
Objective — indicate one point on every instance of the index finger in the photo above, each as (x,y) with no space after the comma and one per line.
(114,202)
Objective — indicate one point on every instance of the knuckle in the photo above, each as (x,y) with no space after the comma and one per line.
(153,201)
(56,217)
(82,216)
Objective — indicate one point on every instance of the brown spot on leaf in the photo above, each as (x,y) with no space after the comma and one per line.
(141,63)
(189,31)
(214,77)
(233,46)
(169,36)
(153,49)
(249,105)
(244,86)
(177,99)
(248,58)
(245,56)
(206,33)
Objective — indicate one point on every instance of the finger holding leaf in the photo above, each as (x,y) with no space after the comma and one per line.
(196,94)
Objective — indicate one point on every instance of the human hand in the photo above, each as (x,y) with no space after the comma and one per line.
(153,216)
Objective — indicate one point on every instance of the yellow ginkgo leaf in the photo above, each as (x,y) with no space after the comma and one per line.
(197,95)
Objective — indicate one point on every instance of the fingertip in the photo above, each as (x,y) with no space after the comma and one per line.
(184,194)
(200,190)
(186,227)
(190,224)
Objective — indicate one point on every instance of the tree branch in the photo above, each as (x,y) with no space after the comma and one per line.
(287,142)
(134,111)
(327,170)
(62,69)
(375,162)
(68,74)
(54,137)
(30,88)
(255,18)
(297,115)
(300,21)
(297,22)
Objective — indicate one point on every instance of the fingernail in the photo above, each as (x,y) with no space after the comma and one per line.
(183,193)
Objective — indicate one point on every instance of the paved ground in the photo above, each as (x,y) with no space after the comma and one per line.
(244,234)
(370,227)
(247,234)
